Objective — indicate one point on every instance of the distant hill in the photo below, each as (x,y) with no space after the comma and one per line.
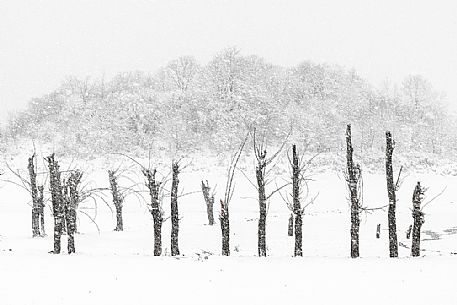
(186,106)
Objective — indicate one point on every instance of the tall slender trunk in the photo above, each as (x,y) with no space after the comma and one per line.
(393,243)
(209,200)
(35,202)
(118,201)
(156,211)
(353,173)
(174,210)
(41,209)
(225,228)
(418,217)
(73,202)
(296,203)
(261,233)
(57,201)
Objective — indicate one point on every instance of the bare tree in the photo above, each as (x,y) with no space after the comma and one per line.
(157,193)
(70,209)
(300,192)
(262,163)
(353,181)
(34,193)
(391,190)
(209,199)
(118,199)
(182,71)
(354,184)
(41,206)
(224,216)
(155,187)
(174,209)
(57,201)
(296,203)
(418,217)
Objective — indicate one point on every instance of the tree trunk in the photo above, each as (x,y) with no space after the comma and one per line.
(408,232)
(156,212)
(393,243)
(35,202)
(57,201)
(261,233)
(418,217)
(70,215)
(174,210)
(118,201)
(225,227)
(296,203)
(41,209)
(353,173)
(290,229)
(209,199)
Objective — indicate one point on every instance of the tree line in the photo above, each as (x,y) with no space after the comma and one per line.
(187,106)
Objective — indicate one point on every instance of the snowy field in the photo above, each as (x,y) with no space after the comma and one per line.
(119,268)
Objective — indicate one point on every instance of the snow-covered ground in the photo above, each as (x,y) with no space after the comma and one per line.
(119,268)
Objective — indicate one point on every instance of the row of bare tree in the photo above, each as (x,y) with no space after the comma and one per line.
(355,185)
(66,194)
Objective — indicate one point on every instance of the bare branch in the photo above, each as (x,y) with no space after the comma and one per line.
(431,200)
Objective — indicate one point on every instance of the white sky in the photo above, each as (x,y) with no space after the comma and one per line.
(43,41)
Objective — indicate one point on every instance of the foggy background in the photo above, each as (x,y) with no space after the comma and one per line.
(41,42)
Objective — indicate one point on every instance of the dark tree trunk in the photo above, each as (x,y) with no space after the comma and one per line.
(118,201)
(70,215)
(174,210)
(290,228)
(57,201)
(209,199)
(156,211)
(35,201)
(41,209)
(353,174)
(296,203)
(225,227)
(393,243)
(418,217)
(408,232)
(260,175)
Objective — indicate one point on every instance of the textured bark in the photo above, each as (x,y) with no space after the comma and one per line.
(296,203)
(290,228)
(57,201)
(260,176)
(70,215)
(408,232)
(353,172)
(41,209)
(418,217)
(156,211)
(225,227)
(174,210)
(209,199)
(118,201)
(35,202)
(391,218)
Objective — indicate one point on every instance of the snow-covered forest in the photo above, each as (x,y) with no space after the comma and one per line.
(188,106)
